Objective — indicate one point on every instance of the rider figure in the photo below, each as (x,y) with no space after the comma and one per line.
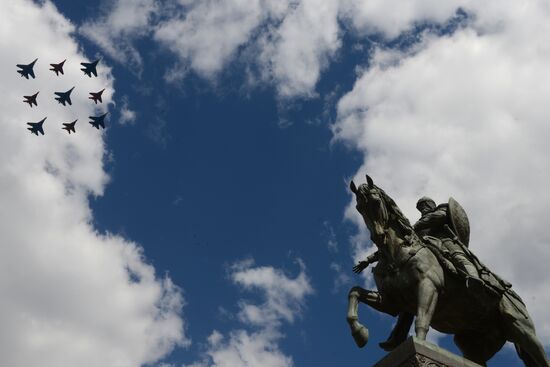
(434,222)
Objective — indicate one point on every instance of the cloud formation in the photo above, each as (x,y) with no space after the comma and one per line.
(286,43)
(70,295)
(465,115)
(127,115)
(283,300)
(121,22)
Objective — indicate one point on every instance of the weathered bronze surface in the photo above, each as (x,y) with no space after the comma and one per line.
(426,273)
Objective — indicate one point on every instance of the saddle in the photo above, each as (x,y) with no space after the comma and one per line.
(494,284)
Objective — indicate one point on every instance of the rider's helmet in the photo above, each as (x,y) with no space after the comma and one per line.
(425,201)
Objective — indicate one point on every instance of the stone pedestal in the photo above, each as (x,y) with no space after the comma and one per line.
(418,353)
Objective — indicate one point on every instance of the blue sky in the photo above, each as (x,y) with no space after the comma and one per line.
(211,223)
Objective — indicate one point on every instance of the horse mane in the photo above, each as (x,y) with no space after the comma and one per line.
(394,209)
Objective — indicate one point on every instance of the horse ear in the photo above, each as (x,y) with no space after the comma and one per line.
(369,181)
(352,187)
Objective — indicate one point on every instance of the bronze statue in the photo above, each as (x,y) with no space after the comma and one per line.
(428,271)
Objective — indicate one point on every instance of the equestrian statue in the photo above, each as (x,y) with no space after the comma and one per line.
(426,272)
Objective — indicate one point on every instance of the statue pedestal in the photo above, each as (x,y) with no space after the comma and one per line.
(419,353)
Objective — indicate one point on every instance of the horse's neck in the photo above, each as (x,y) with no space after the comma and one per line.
(394,243)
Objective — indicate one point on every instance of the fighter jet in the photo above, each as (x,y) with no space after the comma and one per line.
(26,70)
(36,127)
(98,121)
(69,126)
(89,68)
(31,99)
(58,68)
(96,96)
(64,97)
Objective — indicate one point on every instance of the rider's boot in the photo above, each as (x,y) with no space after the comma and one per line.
(473,281)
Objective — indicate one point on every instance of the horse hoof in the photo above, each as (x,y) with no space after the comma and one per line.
(361,336)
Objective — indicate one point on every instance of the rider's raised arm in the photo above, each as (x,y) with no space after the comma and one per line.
(373,257)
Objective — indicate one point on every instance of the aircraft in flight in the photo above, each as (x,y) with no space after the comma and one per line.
(36,127)
(96,96)
(26,70)
(31,99)
(98,121)
(58,68)
(69,126)
(89,68)
(64,97)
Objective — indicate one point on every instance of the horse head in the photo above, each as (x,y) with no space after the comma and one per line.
(372,206)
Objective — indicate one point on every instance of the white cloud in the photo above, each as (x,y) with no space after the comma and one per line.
(70,296)
(122,22)
(284,297)
(256,349)
(283,300)
(290,41)
(341,277)
(300,48)
(328,232)
(465,115)
(206,34)
(393,17)
(127,115)
(284,43)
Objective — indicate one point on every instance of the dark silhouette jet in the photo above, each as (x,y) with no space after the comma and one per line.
(64,97)
(58,68)
(31,99)
(36,127)
(96,96)
(69,126)
(26,70)
(98,121)
(89,68)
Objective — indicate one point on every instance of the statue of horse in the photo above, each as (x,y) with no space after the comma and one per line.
(412,280)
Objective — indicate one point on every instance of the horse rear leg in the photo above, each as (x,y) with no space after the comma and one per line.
(427,301)
(526,358)
(530,350)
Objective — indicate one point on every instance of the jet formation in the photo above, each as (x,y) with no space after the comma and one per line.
(58,68)
(26,70)
(98,121)
(69,126)
(89,68)
(96,96)
(31,99)
(64,97)
(36,127)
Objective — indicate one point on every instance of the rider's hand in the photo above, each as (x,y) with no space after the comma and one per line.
(361,265)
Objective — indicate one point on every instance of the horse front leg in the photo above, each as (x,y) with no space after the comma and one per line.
(427,301)
(360,332)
